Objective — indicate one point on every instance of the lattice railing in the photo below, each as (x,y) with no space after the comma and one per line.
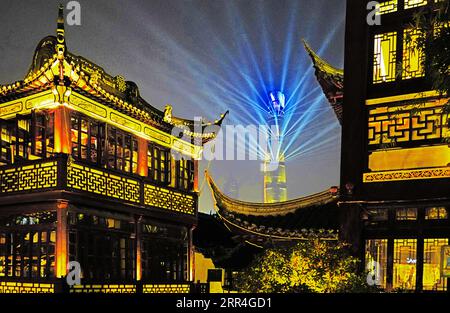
(166,288)
(130,288)
(103,288)
(403,124)
(59,173)
(23,287)
(85,178)
(30,177)
(168,199)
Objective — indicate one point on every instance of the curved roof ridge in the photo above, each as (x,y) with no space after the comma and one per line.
(331,80)
(321,63)
(227,203)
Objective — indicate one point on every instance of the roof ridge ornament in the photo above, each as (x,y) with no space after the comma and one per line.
(60,34)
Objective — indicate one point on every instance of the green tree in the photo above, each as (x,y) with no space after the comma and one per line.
(435,44)
(310,266)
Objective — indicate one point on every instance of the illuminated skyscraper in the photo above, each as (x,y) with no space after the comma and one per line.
(275,188)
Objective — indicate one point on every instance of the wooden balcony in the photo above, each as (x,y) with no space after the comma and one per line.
(65,174)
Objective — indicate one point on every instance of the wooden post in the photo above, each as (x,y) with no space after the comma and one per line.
(196,188)
(142,157)
(62,130)
(191,256)
(61,239)
(138,228)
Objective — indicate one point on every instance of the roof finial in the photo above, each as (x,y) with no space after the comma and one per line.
(60,35)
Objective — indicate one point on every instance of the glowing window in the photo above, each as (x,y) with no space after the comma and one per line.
(159,162)
(389,6)
(385,57)
(414,3)
(412,54)
(405,260)
(406,214)
(376,260)
(122,151)
(437,213)
(185,174)
(432,279)
(87,136)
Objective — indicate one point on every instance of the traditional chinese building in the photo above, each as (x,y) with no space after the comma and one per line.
(91,172)
(395,159)
(243,229)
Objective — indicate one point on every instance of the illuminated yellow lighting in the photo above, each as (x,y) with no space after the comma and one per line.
(166,288)
(32,177)
(385,56)
(412,54)
(414,3)
(168,199)
(88,179)
(46,100)
(400,159)
(410,122)
(405,97)
(386,7)
(414,174)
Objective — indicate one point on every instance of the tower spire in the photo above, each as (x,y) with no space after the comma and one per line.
(60,34)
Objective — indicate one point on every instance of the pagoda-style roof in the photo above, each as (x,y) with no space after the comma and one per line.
(314,216)
(331,79)
(54,65)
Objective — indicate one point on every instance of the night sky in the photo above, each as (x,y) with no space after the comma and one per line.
(205,57)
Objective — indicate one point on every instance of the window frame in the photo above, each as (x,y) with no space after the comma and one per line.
(185,170)
(159,162)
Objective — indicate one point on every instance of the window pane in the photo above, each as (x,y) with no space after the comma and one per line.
(385,57)
(376,260)
(405,259)
(414,3)
(436,213)
(388,6)
(412,55)
(406,214)
(432,264)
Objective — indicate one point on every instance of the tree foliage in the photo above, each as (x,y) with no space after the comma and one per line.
(310,266)
(435,44)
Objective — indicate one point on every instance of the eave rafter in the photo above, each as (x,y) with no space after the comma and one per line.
(240,216)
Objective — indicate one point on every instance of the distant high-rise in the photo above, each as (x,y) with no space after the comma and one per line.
(275,188)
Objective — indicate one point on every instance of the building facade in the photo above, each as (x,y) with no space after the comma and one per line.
(90,172)
(395,172)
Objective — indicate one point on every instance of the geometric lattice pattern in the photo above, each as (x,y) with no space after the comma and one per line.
(168,199)
(88,179)
(44,176)
(29,177)
(16,287)
(388,6)
(385,57)
(432,280)
(414,3)
(166,288)
(103,289)
(400,124)
(430,173)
